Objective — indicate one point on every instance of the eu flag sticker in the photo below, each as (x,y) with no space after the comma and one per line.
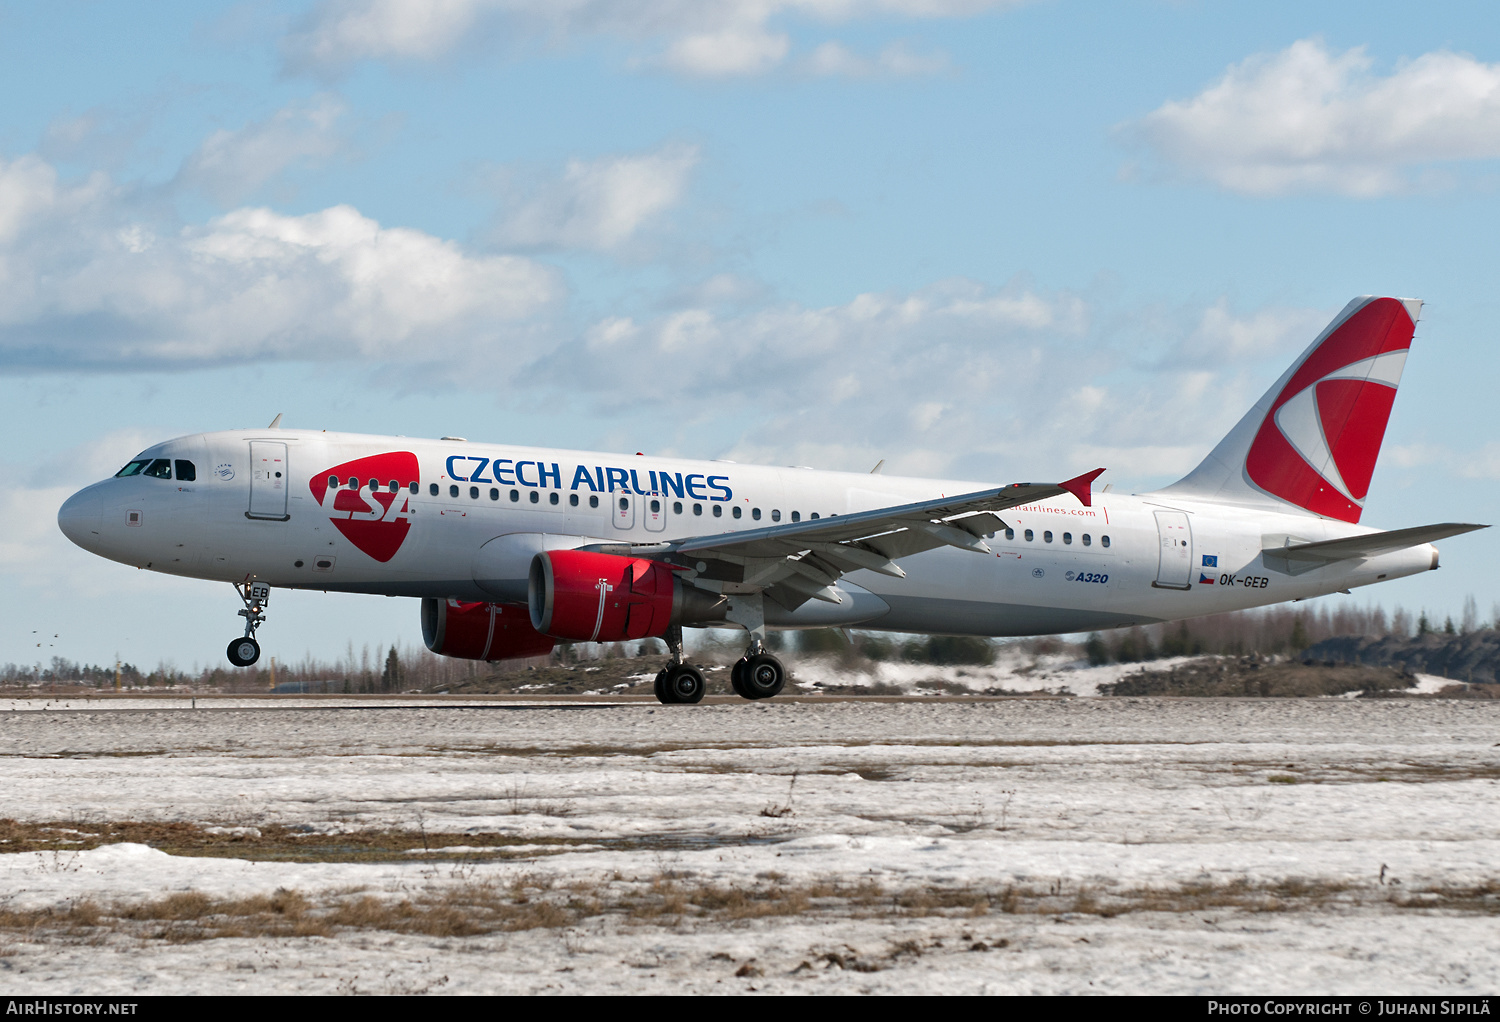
(1210,560)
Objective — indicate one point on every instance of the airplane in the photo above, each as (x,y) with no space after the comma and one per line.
(512,550)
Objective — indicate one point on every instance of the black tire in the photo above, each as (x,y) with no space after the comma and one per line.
(762,677)
(663,695)
(736,678)
(684,684)
(243,652)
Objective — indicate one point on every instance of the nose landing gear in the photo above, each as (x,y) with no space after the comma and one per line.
(255,595)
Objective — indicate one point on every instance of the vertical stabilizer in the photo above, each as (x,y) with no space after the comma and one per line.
(1311,442)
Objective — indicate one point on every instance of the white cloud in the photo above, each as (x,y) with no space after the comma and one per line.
(727,37)
(88,276)
(1221,336)
(1306,119)
(230,165)
(834,59)
(595,204)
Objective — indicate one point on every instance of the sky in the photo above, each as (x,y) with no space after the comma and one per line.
(985,239)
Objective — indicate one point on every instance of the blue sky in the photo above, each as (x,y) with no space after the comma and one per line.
(992,240)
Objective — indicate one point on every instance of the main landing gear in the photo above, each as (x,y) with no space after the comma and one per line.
(678,682)
(255,595)
(757,674)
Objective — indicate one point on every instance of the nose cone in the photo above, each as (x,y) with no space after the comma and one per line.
(81,517)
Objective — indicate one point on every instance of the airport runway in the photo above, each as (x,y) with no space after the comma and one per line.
(841,845)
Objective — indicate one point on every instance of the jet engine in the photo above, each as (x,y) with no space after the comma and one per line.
(481,631)
(584,596)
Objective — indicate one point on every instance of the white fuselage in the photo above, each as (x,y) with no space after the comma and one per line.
(467,522)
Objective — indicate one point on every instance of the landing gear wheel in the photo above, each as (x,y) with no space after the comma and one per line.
(737,678)
(682,684)
(762,676)
(660,688)
(243,652)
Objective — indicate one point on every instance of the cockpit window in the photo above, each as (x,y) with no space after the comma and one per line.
(186,472)
(132,469)
(160,468)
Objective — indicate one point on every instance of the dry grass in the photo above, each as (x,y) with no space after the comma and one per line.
(530,903)
(276,842)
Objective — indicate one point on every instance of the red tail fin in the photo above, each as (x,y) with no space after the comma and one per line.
(1312,440)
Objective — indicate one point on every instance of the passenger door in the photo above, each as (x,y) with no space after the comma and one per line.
(1174,565)
(269,477)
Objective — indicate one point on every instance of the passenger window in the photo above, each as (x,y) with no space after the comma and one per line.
(353,483)
(738,512)
(515,495)
(1029,536)
(161,468)
(494,493)
(755,513)
(815,516)
(775,515)
(552,498)
(473,493)
(132,469)
(1104,541)
(535,497)
(1067,537)
(593,501)
(432,489)
(453,491)
(413,489)
(333,482)
(572,500)
(392,486)
(655,506)
(1088,540)
(677,507)
(186,472)
(1010,533)
(374,484)
(796,516)
(1047,536)
(697,509)
(624,503)
(718,510)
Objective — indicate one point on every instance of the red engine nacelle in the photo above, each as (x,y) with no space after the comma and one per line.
(591,597)
(481,631)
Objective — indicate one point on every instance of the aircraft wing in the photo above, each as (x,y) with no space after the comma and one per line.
(798,561)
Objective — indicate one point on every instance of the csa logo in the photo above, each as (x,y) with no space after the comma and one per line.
(1317,446)
(374,518)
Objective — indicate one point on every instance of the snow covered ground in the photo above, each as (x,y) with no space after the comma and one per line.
(1014,670)
(1039,845)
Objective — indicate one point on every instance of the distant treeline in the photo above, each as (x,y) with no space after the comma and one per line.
(1467,650)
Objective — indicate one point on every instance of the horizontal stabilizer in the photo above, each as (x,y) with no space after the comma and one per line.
(1308,555)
